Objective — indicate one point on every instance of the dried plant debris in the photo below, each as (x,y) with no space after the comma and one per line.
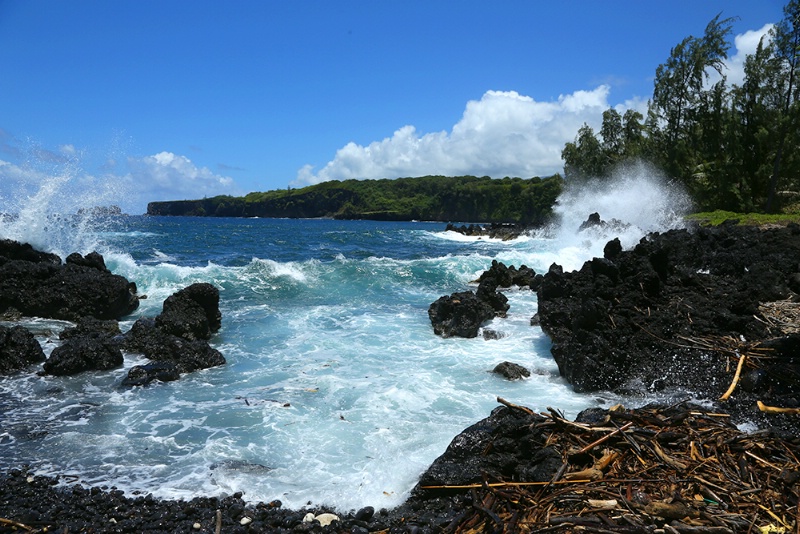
(651,470)
(782,316)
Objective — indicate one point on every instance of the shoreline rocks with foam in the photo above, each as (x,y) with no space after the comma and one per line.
(582,310)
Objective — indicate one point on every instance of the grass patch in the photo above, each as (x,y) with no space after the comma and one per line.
(714,218)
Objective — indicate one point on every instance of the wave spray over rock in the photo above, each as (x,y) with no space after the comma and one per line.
(63,213)
(637,195)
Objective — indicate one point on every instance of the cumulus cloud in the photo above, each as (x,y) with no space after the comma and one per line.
(744,44)
(504,133)
(167,176)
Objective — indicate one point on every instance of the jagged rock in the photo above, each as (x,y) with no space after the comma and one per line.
(511,276)
(80,354)
(14,250)
(174,341)
(148,338)
(18,349)
(37,284)
(511,371)
(91,327)
(192,312)
(460,314)
(625,322)
(487,292)
(504,231)
(507,445)
(93,260)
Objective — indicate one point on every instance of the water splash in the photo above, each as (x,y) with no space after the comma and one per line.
(637,196)
(62,211)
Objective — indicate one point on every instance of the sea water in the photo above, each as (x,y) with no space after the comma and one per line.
(335,391)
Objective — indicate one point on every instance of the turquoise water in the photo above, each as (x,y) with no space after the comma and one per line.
(336,390)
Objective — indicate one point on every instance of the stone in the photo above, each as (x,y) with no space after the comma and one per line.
(18,349)
(37,284)
(511,371)
(83,354)
(326,519)
(460,314)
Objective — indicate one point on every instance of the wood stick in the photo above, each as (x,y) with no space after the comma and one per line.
(774,409)
(15,524)
(624,427)
(736,375)
(506,484)
(515,406)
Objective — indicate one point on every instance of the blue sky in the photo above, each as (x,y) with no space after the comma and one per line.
(158,100)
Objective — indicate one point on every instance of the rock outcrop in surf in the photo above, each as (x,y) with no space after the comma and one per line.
(678,311)
(38,284)
(82,290)
(463,313)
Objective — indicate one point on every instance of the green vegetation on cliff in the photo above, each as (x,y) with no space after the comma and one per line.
(431,198)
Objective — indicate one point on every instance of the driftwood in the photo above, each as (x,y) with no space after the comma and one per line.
(674,470)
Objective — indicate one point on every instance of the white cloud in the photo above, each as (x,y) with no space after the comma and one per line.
(744,44)
(168,176)
(502,134)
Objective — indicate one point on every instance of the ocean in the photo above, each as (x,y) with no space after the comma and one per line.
(336,391)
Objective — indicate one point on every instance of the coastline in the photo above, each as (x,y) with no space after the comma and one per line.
(38,502)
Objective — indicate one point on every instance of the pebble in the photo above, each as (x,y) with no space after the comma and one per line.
(326,519)
(245,521)
(197,526)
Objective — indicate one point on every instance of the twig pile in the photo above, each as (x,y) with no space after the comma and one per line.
(669,470)
(783,316)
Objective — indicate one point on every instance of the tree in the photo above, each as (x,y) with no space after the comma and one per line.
(632,133)
(679,86)
(786,38)
(583,159)
(613,136)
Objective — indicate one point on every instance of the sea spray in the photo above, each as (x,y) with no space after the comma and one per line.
(637,199)
(58,208)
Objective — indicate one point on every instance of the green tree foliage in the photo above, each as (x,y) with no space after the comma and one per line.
(734,147)
(787,53)
(436,198)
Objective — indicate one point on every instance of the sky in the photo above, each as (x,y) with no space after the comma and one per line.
(148,100)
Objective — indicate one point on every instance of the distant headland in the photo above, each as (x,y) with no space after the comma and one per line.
(427,198)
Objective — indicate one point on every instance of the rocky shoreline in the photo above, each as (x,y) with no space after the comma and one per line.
(706,313)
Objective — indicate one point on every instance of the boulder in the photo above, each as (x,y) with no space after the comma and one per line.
(460,314)
(141,375)
(175,340)
(511,276)
(18,349)
(192,312)
(80,354)
(510,444)
(511,371)
(37,284)
(91,327)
